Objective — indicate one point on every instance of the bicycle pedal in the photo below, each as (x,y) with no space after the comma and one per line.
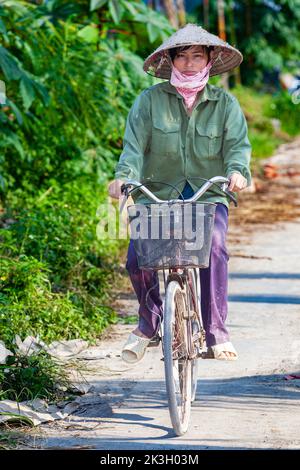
(163,359)
(154,342)
(205,355)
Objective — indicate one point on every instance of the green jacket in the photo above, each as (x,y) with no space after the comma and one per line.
(163,143)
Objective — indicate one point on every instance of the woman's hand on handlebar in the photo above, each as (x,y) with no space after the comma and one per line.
(114,189)
(237,182)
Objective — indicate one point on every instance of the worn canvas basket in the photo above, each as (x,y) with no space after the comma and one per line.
(172,235)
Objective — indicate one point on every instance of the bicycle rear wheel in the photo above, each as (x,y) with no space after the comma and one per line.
(178,367)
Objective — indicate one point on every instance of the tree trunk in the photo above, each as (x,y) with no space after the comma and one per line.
(171,12)
(181,12)
(236,71)
(248,14)
(248,17)
(206,14)
(221,20)
(222,34)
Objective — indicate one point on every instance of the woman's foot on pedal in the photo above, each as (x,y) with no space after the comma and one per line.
(222,352)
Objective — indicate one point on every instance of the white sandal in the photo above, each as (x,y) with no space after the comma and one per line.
(216,352)
(134,349)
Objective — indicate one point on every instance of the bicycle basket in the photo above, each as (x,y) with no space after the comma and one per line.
(172,235)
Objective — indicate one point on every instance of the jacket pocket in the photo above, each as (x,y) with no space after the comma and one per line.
(165,138)
(208,141)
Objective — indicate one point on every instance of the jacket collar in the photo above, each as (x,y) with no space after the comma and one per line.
(209,93)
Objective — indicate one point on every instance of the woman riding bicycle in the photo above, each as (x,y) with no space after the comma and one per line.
(177,131)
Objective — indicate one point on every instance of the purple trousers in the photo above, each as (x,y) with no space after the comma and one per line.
(213,281)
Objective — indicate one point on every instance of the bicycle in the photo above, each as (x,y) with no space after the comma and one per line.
(181,333)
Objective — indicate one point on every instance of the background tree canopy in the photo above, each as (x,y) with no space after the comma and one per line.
(267,32)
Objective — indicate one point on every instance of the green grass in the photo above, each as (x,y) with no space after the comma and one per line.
(10,438)
(128,320)
(254,104)
(263,144)
(27,377)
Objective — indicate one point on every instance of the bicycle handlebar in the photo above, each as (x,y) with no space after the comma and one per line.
(195,197)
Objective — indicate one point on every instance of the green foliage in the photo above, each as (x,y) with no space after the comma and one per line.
(27,377)
(157,26)
(55,275)
(70,82)
(58,226)
(28,305)
(259,110)
(74,91)
(263,143)
(44,153)
(284,108)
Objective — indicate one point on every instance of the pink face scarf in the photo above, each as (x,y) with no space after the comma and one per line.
(189,85)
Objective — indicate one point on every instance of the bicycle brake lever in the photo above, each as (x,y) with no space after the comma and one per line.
(124,190)
(231,197)
(225,189)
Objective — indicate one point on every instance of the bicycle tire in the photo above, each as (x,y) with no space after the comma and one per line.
(178,367)
(195,329)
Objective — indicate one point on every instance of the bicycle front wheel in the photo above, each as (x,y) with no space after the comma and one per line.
(196,328)
(178,367)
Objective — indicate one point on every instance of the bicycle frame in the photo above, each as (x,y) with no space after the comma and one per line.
(192,294)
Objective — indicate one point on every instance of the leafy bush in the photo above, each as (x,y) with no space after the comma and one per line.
(56,276)
(58,226)
(71,93)
(28,306)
